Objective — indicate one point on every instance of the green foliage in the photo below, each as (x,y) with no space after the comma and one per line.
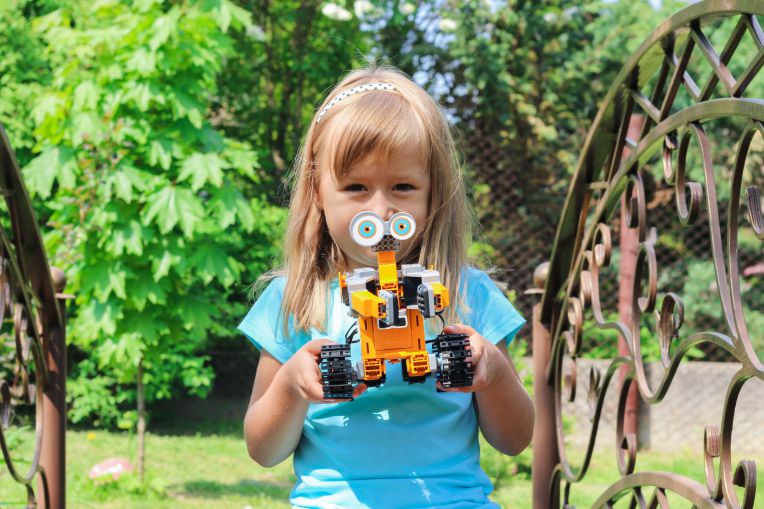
(129,485)
(91,396)
(24,72)
(603,343)
(703,307)
(282,66)
(152,209)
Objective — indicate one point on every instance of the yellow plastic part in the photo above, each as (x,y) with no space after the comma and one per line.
(441,296)
(373,369)
(388,271)
(368,304)
(418,363)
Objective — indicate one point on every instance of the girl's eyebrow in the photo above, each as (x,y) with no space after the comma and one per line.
(399,175)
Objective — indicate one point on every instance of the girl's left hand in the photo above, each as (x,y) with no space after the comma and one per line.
(488,363)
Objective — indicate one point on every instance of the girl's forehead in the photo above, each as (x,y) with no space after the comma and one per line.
(346,160)
(404,163)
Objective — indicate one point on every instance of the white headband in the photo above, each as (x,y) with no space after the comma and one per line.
(354,90)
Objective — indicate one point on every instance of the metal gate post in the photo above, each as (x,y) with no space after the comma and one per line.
(53,455)
(544,445)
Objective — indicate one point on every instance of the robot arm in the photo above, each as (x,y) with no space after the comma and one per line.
(366,303)
(423,290)
(432,298)
(357,295)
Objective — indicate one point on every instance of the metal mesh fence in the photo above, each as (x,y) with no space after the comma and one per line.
(517,234)
(513,237)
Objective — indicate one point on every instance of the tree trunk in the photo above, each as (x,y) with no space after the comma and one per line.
(141,422)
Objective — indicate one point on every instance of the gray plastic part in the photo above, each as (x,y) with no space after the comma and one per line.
(391,301)
(356,281)
(426,300)
(416,270)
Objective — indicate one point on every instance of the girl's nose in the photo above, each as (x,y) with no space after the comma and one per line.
(382,206)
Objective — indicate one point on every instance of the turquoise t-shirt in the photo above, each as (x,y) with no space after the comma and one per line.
(398,445)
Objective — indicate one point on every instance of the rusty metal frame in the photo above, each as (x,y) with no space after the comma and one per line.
(583,246)
(32,302)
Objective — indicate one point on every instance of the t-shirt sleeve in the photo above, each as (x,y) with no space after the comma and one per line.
(490,312)
(263,323)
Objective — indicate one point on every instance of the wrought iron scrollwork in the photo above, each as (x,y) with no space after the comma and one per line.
(32,320)
(649,85)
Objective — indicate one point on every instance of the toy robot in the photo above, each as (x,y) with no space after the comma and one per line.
(391,305)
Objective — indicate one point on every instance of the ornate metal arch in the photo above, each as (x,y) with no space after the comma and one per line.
(33,330)
(656,83)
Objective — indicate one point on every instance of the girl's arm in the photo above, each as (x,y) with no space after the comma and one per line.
(506,411)
(280,399)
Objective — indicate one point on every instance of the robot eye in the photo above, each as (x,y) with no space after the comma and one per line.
(367,229)
(402,226)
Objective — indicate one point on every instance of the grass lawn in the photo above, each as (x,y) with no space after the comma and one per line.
(209,468)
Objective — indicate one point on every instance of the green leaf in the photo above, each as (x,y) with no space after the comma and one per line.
(149,325)
(173,205)
(145,290)
(93,320)
(104,277)
(223,16)
(203,168)
(53,164)
(185,106)
(243,158)
(86,127)
(143,62)
(228,202)
(123,188)
(195,312)
(241,17)
(143,94)
(85,96)
(161,153)
(163,28)
(126,239)
(127,350)
(161,266)
(48,105)
(117,283)
(212,262)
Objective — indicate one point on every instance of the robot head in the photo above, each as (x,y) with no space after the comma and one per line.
(368,229)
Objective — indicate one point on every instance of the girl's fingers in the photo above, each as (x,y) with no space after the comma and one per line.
(359,389)
(459,328)
(453,389)
(315,345)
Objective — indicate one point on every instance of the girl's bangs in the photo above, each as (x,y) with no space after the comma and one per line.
(374,125)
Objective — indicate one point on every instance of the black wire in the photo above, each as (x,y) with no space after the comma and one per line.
(349,334)
(442,321)
(439,314)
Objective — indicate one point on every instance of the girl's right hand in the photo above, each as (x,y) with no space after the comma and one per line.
(303,369)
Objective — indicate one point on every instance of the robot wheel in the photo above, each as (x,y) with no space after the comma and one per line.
(337,374)
(453,358)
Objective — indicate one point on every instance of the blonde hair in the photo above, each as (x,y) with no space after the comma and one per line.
(371,123)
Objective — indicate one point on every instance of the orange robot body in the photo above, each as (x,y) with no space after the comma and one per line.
(391,305)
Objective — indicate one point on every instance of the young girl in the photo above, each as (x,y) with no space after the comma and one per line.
(380,143)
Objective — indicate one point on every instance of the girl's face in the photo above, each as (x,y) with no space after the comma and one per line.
(400,184)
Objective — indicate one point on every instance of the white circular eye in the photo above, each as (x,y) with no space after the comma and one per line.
(402,226)
(367,229)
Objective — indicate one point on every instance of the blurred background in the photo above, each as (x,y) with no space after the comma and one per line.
(156,136)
